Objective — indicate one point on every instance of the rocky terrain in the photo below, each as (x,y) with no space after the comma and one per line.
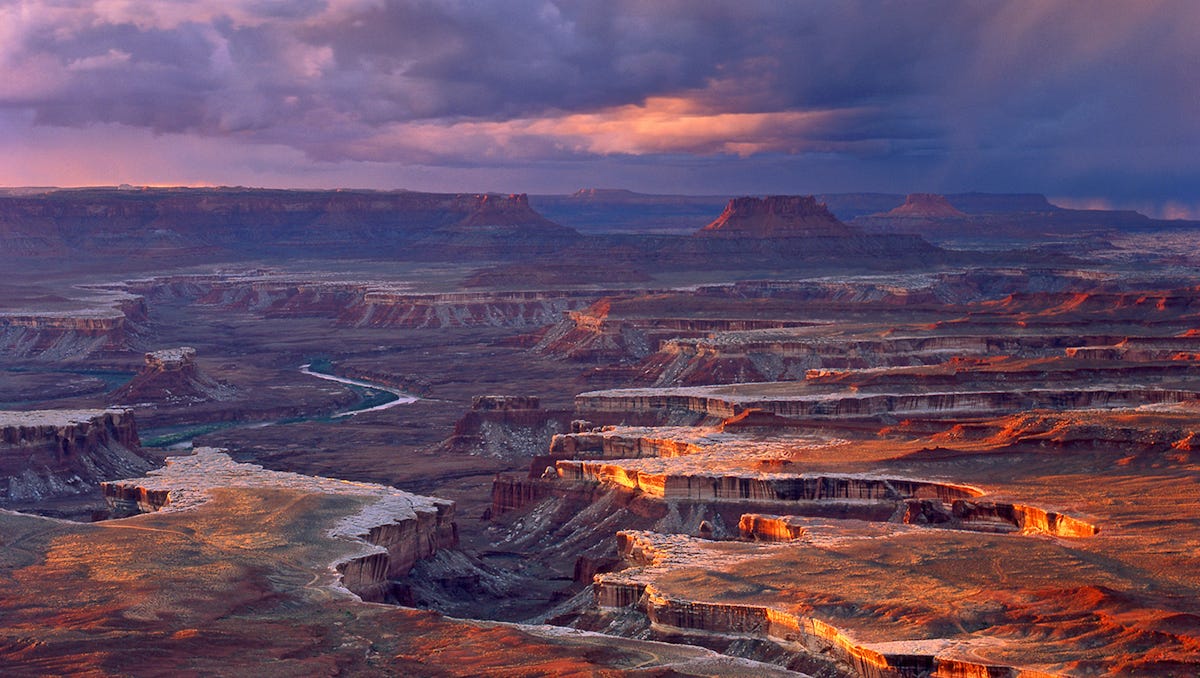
(247,571)
(99,324)
(172,376)
(798,441)
(54,460)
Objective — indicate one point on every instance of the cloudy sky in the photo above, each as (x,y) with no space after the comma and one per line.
(1089,102)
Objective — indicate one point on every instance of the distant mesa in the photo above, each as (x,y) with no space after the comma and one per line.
(929,205)
(777,216)
(495,224)
(202,222)
(603,193)
(487,209)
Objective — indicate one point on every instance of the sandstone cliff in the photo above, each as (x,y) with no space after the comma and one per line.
(366,304)
(100,326)
(52,454)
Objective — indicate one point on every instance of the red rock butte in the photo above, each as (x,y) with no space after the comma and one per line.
(777,216)
(484,210)
(926,205)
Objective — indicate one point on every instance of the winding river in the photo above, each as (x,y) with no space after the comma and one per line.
(401,398)
(181,440)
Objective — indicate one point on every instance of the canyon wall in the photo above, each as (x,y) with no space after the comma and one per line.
(366,304)
(626,590)
(680,406)
(55,336)
(510,427)
(52,454)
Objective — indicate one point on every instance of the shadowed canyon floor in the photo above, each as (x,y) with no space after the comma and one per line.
(929,468)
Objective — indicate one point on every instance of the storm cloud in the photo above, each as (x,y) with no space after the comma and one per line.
(1092,100)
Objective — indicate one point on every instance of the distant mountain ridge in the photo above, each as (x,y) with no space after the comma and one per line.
(208,221)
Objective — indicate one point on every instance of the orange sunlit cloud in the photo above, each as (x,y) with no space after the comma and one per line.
(660,125)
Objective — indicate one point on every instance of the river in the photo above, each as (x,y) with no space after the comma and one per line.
(402,398)
(176,439)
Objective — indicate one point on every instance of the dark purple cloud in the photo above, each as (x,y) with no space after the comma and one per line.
(1095,99)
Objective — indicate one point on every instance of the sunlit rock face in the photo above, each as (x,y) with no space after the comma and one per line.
(777,216)
(398,528)
(49,454)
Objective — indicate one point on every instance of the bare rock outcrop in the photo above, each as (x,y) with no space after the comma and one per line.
(507,426)
(172,376)
(54,454)
(97,327)
(366,303)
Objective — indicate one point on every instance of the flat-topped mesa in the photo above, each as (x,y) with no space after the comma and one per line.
(489,210)
(105,327)
(255,222)
(397,528)
(172,375)
(53,454)
(595,193)
(929,205)
(777,216)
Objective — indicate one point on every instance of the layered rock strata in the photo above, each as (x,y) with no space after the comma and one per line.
(172,376)
(837,600)
(720,403)
(649,553)
(104,327)
(510,427)
(205,222)
(366,304)
(52,454)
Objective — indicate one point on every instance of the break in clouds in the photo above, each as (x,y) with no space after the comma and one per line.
(1080,98)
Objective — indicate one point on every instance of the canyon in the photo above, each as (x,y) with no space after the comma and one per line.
(602,433)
